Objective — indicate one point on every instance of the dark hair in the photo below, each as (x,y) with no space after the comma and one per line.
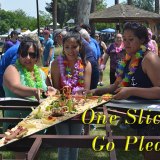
(139,30)
(14,33)
(26,44)
(77,37)
(154,37)
(86,27)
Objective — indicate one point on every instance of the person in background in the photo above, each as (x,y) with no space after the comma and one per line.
(48,54)
(41,38)
(70,69)
(13,40)
(116,53)
(152,44)
(93,43)
(103,49)
(59,34)
(9,57)
(90,56)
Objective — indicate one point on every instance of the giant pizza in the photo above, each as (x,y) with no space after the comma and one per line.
(53,110)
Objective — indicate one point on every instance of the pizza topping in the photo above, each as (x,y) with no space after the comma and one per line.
(107,96)
(57,112)
(37,113)
(26,124)
(18,133)
(48,120)
(99,100)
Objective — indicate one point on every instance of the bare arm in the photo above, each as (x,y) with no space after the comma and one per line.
(14,84)
(148,93)
(106,56)
(151,66)
(100,91)
(50,54)
(87,75)
(55,74)
(104,46)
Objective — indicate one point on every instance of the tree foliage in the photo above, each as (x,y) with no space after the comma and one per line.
(145,4)
(67,9)
(19,19)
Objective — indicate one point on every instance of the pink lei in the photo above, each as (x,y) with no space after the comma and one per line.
(75,80)
(118,49)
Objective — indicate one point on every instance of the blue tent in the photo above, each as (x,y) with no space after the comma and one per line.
(108,30)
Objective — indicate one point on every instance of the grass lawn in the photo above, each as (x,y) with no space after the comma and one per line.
(87,154)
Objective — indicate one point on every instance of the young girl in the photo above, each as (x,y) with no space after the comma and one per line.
(70,69)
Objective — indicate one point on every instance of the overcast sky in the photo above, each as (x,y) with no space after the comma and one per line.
(29,6)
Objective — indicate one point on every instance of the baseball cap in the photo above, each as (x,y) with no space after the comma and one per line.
(46,32)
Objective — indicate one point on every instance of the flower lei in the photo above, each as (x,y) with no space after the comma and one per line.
(120,69)
(118,49)
(75,81)
(27,76)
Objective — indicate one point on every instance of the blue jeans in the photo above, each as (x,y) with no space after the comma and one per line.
(68,128)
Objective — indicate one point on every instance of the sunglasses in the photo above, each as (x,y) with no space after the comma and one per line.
(32,55)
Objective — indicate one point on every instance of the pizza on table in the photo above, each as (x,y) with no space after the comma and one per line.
(51,111)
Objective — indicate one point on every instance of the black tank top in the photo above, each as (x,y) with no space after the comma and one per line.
(138,79)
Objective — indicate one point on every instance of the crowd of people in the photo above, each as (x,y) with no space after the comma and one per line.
(80,63)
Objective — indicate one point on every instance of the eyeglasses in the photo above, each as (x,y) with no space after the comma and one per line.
(32,55)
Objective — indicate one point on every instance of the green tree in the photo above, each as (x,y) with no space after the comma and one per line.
(19,19)
(67,9)
(44,18)
(145,4)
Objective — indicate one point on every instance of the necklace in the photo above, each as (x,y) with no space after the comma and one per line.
(118,49)
(75,80)
(120,69)
(27,76)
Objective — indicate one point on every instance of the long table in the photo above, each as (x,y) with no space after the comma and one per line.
(33,143)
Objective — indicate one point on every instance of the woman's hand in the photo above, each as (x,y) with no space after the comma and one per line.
(122,93)
(51,91)
(85,92)
(102,67)
(38,94)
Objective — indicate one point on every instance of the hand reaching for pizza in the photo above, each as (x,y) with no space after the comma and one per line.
(86,92)
(38,94)
(51,91)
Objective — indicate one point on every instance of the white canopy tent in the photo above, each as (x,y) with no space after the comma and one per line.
(26,32)
(35,31)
